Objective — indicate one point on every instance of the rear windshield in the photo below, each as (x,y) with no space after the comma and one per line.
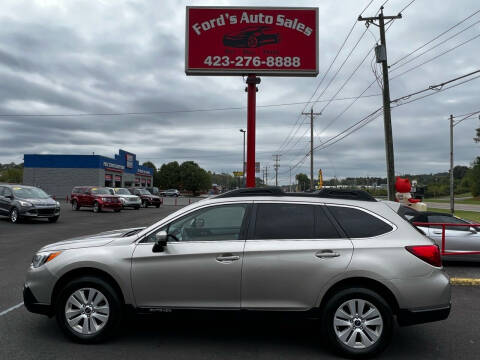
(143,192)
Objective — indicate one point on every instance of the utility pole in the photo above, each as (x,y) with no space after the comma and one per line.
(276,157)
(290,182)
(311,113)
(243,162)
(452,199)
(381,54)
(266,174)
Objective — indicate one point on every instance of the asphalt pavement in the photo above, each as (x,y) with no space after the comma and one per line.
(202,335)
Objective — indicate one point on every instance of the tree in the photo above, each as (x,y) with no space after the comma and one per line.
(459,172)
(169,176)
(150,165)
(303,181)
(12,175)
(194,178)
(475,178)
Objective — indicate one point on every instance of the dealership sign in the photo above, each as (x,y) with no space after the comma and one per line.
(246,40)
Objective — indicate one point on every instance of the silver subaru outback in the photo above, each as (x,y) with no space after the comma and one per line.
(341,255)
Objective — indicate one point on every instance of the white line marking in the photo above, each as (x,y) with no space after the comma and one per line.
(4,312)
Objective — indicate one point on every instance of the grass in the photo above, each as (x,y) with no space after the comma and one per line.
(470,215)
(471,201)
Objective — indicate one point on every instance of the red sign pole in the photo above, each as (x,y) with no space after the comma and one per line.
(252,82)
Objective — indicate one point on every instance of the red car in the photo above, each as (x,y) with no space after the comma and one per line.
(147,198)
(98,198)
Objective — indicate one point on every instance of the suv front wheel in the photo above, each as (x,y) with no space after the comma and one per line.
(96,207)
(88,309)
(14,217)
(357,322)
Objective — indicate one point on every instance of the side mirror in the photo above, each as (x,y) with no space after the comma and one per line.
(160,241)
(473,230)
(9,197)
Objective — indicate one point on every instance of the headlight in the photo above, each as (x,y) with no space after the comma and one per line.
(25,203)
(57,203)
(104,199)
(122,200)
(43,257)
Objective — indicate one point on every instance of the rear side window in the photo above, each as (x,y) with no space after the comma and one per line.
(357,223)
(285,221)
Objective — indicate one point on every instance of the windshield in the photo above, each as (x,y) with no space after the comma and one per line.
(100,191)
(144,192)
(30,193)
(122,191)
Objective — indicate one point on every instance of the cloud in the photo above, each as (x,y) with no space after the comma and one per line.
(76,57)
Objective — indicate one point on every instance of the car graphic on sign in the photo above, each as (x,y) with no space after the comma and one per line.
(252,37)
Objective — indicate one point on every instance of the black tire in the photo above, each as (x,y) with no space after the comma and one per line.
(157,206)
(117,210)
(137,207)
(114,304)
(329,329)
(252,41)
(14,216)
(96,207)
(53,219)
(144,203)
(75,205)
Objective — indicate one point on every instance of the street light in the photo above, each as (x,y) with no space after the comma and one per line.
(243,163)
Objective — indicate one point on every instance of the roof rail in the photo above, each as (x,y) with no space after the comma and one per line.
(323,193)
(259,191)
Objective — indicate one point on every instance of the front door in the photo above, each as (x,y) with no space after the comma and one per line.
(291,252)
(201,265)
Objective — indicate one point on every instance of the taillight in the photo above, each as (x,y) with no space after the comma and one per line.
(428,253)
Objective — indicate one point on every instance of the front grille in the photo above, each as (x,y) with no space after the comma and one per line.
(46,211)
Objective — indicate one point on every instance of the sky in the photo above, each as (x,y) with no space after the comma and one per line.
(62,57)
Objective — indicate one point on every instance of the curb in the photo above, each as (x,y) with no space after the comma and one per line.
(464,281)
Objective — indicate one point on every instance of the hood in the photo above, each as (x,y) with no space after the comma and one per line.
(100,239)
(127,196)
(40,202)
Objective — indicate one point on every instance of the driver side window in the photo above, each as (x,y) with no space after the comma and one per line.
(223,222)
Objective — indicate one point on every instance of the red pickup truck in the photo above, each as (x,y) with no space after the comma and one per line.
(98,198)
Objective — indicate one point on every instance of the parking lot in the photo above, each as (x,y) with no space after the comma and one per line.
(198,336)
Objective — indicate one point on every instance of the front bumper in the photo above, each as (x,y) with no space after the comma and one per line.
(34,212)
(110,205)
(408,317)
(33,305)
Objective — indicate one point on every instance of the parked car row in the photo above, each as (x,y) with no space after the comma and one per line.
(102,198)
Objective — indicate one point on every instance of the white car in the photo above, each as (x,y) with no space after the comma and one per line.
(127,199)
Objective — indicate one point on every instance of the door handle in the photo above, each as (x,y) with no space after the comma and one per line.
(437,232)
(324,254)
(227,258)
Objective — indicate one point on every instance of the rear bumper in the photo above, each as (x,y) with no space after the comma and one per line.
(408,317)
(33,305)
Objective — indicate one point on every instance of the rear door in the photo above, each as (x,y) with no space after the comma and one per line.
(3,202)
(292,250)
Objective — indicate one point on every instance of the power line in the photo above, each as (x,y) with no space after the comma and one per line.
(294,130)
(437,45)
(435,38)
(465,117)
(178,111)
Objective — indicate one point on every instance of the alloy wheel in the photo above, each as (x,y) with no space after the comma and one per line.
(87,311)
(358,324)
(14,215)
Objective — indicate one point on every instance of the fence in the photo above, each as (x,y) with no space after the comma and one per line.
(443,252)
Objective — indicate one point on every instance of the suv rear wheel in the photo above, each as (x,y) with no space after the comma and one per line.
(75,205)
(357,322)
(88,309)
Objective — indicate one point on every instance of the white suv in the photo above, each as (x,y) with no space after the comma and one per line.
(342,256)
